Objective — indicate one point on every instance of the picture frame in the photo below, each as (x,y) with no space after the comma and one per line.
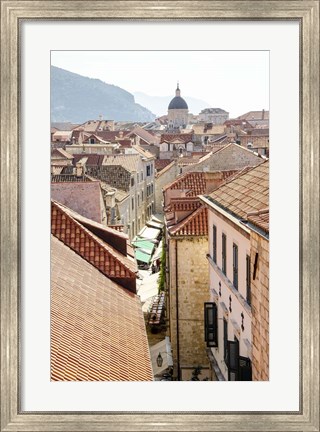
(307,14)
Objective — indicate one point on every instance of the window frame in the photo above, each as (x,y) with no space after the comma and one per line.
(211,324)
(214,243)
(224,254)
(248,279)
(235,266)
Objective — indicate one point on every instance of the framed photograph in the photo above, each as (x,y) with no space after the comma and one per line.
(36,35)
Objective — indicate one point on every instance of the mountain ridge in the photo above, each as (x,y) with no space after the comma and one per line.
(76,98)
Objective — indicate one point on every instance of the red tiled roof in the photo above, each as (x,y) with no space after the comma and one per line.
(79,193)
(92,159)
(104,257)
(245,193)
(260,219)
(193,182)
(171,137)
(183,204)
(159,164)
(97,327)
(195,224)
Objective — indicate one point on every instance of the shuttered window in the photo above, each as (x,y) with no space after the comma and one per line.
(214,244)
(211,324)
(235,266)
(239,368)
(245,369)
(233,360)
(248,279)
(224,254)
(225,341)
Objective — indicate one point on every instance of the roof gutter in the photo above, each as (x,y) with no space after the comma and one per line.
(236,221)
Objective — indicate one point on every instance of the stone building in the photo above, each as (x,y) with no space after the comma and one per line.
(229,312)
(229,157)
(187,271)
(216,116)
(258,223)
(162,178)
(177,112)
(175,145)
(130,173)
(187,283)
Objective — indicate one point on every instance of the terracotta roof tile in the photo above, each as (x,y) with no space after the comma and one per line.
(172,137)
(91,159)
(97,327)
(195,224)
(104,257)
(244,193)
(260,219)
(79,193)
(128,162)
(183,204)
(160,164)
(193,182)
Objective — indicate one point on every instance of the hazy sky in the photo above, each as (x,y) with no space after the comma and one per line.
(237,81)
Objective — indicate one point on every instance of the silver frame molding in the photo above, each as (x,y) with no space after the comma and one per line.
(304,11)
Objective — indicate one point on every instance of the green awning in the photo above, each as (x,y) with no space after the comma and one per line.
(144,244)
(142,256)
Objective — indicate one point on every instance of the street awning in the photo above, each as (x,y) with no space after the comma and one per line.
(142,256)
(153,224)
(149,233)
(144,244)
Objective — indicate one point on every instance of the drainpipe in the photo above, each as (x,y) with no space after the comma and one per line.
(177,310)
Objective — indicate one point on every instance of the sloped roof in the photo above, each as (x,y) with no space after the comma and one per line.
(89,246)
(245,193)
(183,204)
(129,162)
(255,115)
(195,224)
(160,164)
(260,219)
(193,182)
(91,159)
(145,135)
(185,138)
(61,153)
(78,193)
(143,152)
(97,327)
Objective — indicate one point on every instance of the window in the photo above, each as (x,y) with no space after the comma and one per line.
(248,279)
(225,341)
(211,324)
(224,254)
(141,177)
(138,200)
(142,197)
(214,244)
(137,177)
(235,266)
(148,170)
(239,368)
(233,360)
(132,203)
(132,181)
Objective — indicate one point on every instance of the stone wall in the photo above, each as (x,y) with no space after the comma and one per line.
(168,175)
(232,157)
(260,308)
(193,282)
(116,176)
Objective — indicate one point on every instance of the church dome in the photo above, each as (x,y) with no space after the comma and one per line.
(178,102)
